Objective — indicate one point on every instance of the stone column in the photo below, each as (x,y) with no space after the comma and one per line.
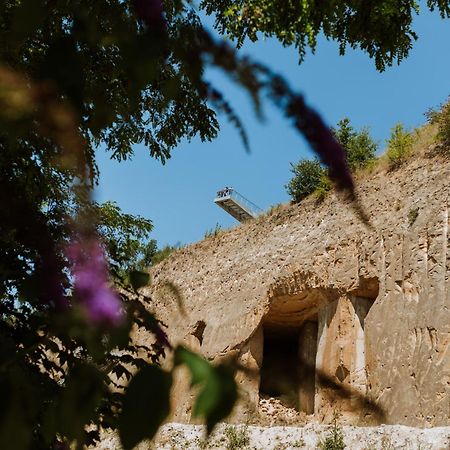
(358,373)
(250,357)
(307,350)
(341,358)
(324,359)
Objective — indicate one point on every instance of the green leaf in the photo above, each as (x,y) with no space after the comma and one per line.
(216,400)
(199,368)
(138,279)
(218,392)
(146,405)
(80,399)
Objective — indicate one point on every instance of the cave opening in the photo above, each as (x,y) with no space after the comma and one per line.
(279,371)
(288,365)
(312,334)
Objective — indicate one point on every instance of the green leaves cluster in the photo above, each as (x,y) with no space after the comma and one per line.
(145,408)
(85,384)
(441,117)
(359,146)
(334,441)
(126,238)
(310,175)
(382,29)
(164,252)
(237,437)
(128,85)
(217,389)
(399,146)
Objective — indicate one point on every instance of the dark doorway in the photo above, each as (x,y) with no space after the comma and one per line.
(288,366)
(279,371)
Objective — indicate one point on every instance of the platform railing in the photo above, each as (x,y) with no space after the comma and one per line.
(231,194)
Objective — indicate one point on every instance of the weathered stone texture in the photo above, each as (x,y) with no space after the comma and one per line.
(320,263)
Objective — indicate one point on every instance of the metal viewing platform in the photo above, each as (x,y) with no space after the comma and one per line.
(236,205)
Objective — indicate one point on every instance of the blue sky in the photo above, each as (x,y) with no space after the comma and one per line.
(178,197)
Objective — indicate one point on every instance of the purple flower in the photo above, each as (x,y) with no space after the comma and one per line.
(91,285)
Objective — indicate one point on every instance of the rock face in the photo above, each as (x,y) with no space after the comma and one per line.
(329,315)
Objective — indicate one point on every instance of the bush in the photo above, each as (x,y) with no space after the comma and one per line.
(359,145)
(237,437)
(308,175)
(323,188)
(441,117)
(412,215)
(335,440)
(163,253)
(399,145)
(274,209)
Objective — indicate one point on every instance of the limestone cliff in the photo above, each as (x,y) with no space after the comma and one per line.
(369,307)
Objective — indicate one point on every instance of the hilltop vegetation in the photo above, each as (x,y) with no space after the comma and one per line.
(310,176)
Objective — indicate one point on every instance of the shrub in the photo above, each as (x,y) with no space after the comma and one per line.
(359,145)
(299,443)
(441,117)
(399,145)
(162,254)
(237,437)
(412,215)
(274,209)
(323,188)
(335,440)
(308,175)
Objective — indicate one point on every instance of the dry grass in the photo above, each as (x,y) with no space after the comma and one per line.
(423,138)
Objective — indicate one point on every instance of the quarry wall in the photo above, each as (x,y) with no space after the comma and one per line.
(311,290)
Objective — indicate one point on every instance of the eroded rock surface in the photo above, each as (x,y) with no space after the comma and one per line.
(378,297)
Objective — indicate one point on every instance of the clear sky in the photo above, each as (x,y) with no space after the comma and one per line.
(178,197)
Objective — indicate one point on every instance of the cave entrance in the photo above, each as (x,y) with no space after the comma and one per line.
(290,329)
(288,366)
(279,374)
(316,331)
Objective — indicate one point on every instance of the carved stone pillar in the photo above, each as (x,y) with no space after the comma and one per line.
(250,357)
(307,350)
(341,359)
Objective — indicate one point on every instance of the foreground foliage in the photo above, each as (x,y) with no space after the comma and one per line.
(76,77)
(382,29)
